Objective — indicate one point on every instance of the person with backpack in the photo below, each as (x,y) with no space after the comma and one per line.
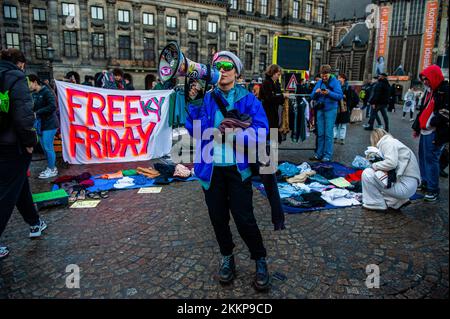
(223,170)
(17,140)
(45,110)
(432,126)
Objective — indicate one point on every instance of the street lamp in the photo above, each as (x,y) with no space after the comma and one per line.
(51,58)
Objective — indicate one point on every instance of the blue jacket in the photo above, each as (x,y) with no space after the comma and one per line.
(334,96)
(205,112)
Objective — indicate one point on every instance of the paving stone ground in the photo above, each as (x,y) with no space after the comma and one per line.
(162,245)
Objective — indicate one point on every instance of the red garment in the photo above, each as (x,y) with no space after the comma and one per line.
(434,74)
(64,179)
(87,183)
(354,177)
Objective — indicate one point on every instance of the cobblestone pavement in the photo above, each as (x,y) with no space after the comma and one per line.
(162,245)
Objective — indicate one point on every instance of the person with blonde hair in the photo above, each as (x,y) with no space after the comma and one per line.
(380,193)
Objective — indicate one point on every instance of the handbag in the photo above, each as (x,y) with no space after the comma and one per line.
(356,115)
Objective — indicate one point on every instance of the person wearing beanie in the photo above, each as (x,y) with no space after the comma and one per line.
(224,170)
(431,125)
(326,93)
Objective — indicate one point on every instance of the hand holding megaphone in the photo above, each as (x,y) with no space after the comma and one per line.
(173,63)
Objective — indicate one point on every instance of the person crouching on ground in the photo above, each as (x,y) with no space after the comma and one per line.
(377,195)
(226,183)
(17,139)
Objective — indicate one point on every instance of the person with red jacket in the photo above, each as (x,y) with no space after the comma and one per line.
(431,125)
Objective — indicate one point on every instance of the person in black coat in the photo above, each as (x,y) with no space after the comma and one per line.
(379,101)
(344,109)
(45,110)
(271,96)
(17,140)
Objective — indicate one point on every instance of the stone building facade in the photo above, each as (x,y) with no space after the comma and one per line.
(91,35)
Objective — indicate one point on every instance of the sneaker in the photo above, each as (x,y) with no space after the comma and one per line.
(4,251)
(411,120)
(443,173)
(314,158)
(379,126)
(49,173)
(431,197)
(422,187)
(403,118)
(44,172)
(326,160)
(227,269)
(262,277)
(36,231)
(368,128)
(365,125)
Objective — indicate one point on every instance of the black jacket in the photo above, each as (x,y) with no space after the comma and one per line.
(381,93)
(45,108)
(21,132)
(271,97)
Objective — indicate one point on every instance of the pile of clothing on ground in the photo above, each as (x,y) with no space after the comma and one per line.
(159,174)
(315,186)
(76,187)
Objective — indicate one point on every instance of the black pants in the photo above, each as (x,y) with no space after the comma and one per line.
(226,193)
(15,188)
(374,113)
(444,159)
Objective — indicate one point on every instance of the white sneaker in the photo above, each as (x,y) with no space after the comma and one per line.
(44,172)
(49,173)
(36,231)
(379,126)
(411,120)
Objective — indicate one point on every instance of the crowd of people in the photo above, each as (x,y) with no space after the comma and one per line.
(226,182)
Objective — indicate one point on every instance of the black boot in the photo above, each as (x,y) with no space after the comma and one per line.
(227,269)
(262,277)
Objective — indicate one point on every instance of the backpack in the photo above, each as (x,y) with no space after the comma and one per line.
(362,94)
(4,103)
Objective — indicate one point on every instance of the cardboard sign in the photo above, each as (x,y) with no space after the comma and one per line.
(86,204)
(150,190)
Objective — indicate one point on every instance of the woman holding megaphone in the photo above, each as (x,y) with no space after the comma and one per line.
(224,174)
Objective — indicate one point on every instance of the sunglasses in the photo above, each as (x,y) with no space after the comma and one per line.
(225,65)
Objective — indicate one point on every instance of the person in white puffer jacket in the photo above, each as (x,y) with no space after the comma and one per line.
(376,195)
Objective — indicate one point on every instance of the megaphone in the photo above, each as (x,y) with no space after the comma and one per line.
(173,63)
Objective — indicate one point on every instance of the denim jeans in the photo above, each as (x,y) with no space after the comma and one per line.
(47,138)
(429,162)
(340,131)
(325,124)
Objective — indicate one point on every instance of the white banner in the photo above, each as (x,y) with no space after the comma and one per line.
(110,126)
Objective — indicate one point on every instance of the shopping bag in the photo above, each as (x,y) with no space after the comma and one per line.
(356,115)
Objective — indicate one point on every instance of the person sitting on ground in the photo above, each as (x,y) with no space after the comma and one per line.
(45,110)
(377,195)
(17,140)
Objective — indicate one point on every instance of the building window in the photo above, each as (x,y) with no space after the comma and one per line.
(39,14)
(41,44)
(341,64)
(233,36)
(320,14)
(416,17)
(124,47)
(171,22)
(97,13)
(68,9)
(212,27)
(234,4)
(192,24)
(249,61)
(249,5)
(148,18)
(193,51)
(98,46)
(12,40)
(262,62)
(9,12)
(264,7)
(70,44)
(149,50)
(318,45)
(123,16)
(249,38)
(278,8)
(295,11)
(263,39)
(398,18)
(308,12)
(212,50)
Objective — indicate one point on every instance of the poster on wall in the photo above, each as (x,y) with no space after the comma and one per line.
(431,15)
(110,126)
(382,39)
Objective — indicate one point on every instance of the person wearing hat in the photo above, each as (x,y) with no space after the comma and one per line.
(379,101)
(223,170)
(326,93)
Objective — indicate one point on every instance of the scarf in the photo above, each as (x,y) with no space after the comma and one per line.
(426,114)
